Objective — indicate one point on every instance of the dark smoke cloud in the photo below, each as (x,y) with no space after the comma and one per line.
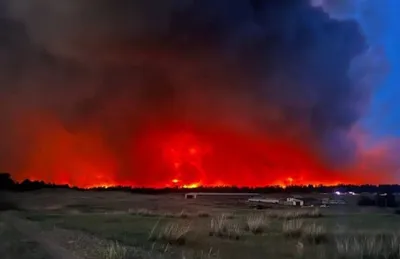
(272,67)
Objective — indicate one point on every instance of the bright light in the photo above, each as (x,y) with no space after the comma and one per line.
(175,181)
(191,186)
(338,193)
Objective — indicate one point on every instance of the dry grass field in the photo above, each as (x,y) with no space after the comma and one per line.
(118,225)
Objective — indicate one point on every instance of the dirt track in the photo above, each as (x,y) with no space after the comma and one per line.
(32,231)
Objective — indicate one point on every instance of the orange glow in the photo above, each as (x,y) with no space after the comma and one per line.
(187,157)
(192,186)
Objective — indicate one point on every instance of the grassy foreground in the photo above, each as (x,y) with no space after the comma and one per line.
(13,245)
(123,226)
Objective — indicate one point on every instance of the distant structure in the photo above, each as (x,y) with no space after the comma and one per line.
(293,202)
(328,201)
(302,201)
(263,200)
(194,195)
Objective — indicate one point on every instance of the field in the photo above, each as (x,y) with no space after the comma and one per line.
(117,225)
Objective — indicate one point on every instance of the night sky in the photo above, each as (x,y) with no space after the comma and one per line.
(189,92)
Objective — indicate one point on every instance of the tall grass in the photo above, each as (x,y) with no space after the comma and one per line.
(219,226)
(377,246)
(210,254)
(293,228)
(315,233)
(114,251)
(295,214)
(172,233)
(256,223)
(311,232)
(222,227)
(175,233)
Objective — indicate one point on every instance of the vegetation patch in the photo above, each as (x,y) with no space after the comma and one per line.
(114,251)
(295,214)
(376,246)
(223,228)
(143,212)
(293,228)
(171,233)
(256,223)
(314,233)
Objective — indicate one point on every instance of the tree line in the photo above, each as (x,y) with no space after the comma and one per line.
(7,183)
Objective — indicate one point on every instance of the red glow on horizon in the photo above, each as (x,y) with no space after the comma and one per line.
(179,158)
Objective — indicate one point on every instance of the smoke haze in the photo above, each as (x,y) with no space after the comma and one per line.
(144,92)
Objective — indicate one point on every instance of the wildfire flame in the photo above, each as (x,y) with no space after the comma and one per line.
(187,159)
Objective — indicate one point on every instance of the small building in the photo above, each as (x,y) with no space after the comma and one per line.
(293,202)
(302,202)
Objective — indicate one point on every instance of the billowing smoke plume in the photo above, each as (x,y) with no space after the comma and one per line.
(98,89)
(371,70)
